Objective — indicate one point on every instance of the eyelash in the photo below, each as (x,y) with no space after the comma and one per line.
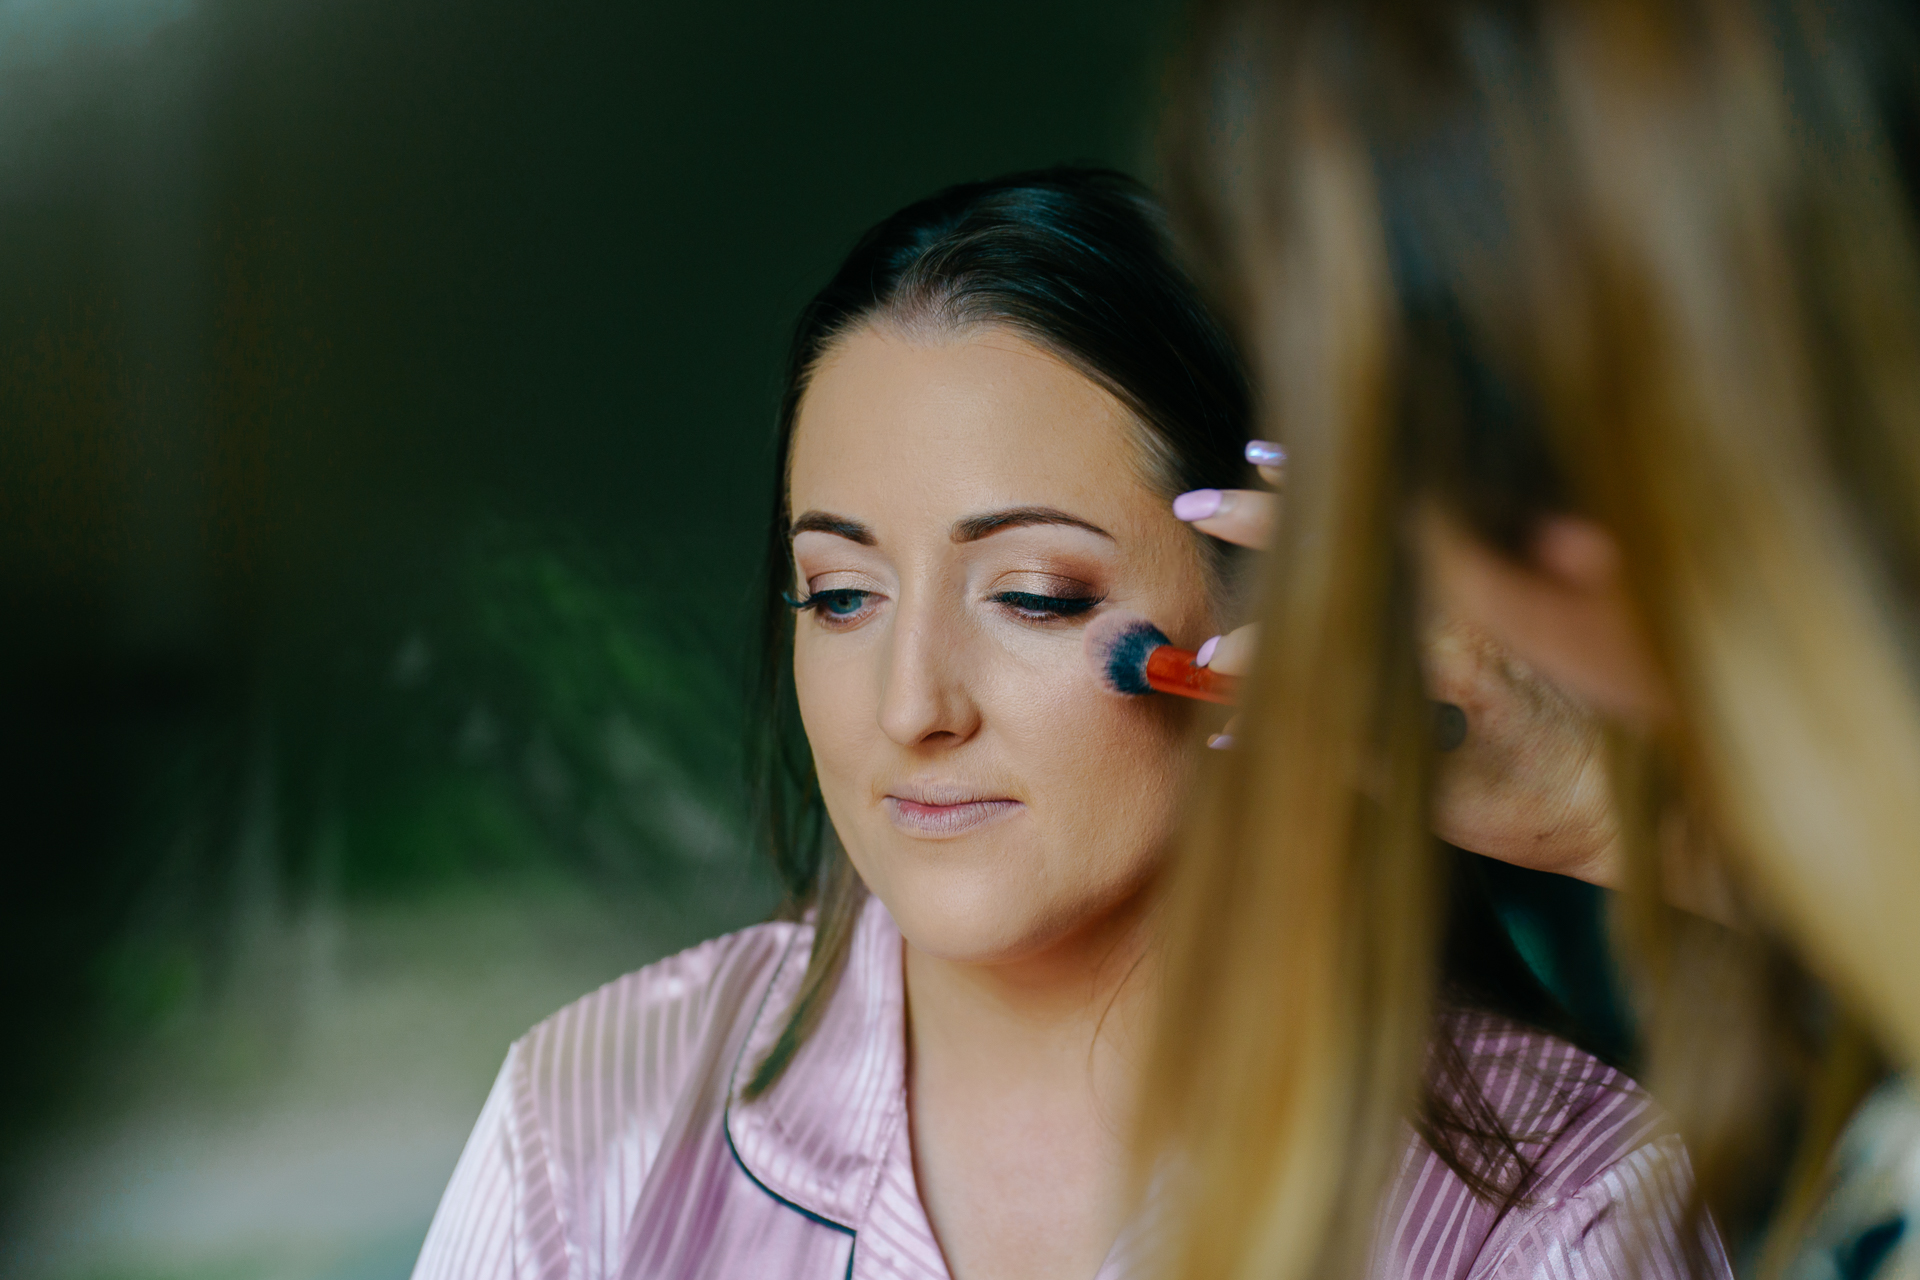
(820,601)
(1038,608)
(1026,604)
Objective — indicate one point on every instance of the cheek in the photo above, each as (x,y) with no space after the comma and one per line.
(1106,771)
(833,685)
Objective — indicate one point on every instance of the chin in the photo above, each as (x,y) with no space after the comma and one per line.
(989,933)
(964,905)
(987,906)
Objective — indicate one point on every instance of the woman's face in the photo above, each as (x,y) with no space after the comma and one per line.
(963,507)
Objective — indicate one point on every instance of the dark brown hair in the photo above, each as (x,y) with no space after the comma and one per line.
(1077,260)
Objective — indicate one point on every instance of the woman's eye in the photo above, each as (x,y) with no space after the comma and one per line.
(838,603)
(1040,608)
(841,603)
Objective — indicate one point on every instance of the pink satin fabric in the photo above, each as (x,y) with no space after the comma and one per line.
(615,1144)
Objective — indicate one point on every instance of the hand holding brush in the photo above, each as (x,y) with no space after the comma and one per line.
(1245,517)
(1524,778)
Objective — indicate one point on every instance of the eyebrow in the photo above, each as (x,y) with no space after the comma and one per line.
(838,526)
(970,529)
(974,528)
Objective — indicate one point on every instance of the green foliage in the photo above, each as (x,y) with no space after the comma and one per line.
(540,714)
(518,715)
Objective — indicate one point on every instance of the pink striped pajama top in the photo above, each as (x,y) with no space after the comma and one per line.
(615,1145)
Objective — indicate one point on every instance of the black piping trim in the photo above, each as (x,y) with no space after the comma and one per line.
(802,1210)
(726,1121)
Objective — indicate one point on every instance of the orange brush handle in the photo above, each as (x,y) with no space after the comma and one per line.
(1171,670)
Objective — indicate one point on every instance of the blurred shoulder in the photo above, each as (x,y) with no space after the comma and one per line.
(1570,1111)
(591,1099)
(648,1020)
(617,1073)
(1611,1182)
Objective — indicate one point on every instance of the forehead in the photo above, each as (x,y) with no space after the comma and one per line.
(951,425)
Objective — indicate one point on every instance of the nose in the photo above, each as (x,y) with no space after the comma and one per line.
(924,699)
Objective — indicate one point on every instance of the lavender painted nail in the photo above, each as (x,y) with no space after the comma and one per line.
(1265,453)
(1205,655)
(1197,504)
(1220,741)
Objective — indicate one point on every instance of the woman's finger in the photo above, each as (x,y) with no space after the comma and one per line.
(1245,517)
(1232,653)
(1270,459)
(1242,516)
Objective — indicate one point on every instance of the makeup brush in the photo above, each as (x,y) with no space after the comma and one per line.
(1132,656)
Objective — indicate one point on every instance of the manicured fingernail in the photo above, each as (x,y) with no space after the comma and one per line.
(1220,741)
(1205,655)
(1265,453)
(1196,505)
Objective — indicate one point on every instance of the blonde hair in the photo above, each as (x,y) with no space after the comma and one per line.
(1650,261)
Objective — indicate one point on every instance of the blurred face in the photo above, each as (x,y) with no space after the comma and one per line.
(963,507)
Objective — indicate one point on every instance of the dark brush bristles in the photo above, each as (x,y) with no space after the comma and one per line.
(1118,645)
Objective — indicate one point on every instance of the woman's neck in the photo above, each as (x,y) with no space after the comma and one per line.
(1020,1085)
(1090,981)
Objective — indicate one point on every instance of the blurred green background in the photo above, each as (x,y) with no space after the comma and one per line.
(385,399)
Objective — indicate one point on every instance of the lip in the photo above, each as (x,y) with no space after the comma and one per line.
(938,811)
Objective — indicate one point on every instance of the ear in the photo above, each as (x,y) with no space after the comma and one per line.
(1564,610)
